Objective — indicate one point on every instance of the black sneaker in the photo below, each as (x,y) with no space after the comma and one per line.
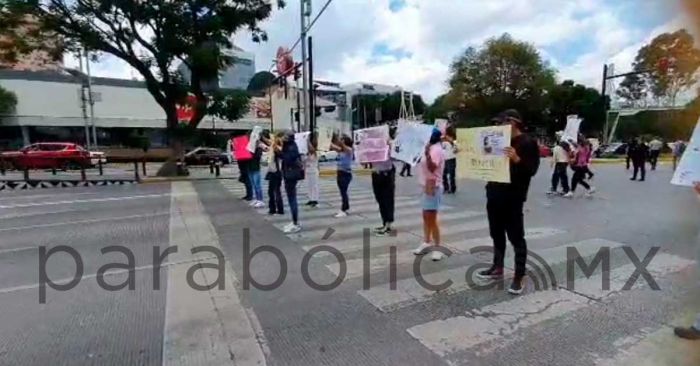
(689,333)
(492,273)
(379,229)
(384,232)
(517,286)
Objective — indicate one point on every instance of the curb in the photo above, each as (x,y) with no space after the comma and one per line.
(333,172)
(153,180)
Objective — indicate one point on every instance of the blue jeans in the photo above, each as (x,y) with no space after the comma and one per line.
(344,179)
(255,181)
(291,188)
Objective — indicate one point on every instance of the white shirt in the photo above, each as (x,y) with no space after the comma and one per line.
(656,145)
(560,155)
(449,149)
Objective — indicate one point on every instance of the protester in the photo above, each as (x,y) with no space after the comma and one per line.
(312,172)
(655,147)
(384,187)
(243,164)
(254,176)
(450,148)
(639,156)
(505,202)
(274,175)
(678,150)
(631,146)
(692,332)
(406,170)
(343,146)
(579,165)
(561,158)
(292,173)
(430,171)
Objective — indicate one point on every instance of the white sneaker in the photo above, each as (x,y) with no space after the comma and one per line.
(592,190)
(259,204)
(294,229)
(568,195)
(252,203)
(436,256)
(341,214)
(550,193)
(286,228)
(422,249)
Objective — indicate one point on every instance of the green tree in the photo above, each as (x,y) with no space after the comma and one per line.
(570,98)
(391,106)
(8,101)
(504,73)
(668,65)
(154,37)
(634,91)
(21,34)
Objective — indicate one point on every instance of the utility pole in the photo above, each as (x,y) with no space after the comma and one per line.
(305,15)
(603,90)
(312,89)
(91,100)
(83,104)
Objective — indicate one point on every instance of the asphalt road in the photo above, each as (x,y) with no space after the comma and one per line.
(563,318)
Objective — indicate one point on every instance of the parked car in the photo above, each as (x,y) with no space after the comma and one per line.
(545,151)
(97,157)
(48,155)
(328,156)
(203,156)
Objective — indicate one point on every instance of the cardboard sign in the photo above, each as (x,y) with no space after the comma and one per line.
(325,136)
(240,148)
(371,144)
(410,142)
(688,170)
(573,124)
(302,140)
(482,154)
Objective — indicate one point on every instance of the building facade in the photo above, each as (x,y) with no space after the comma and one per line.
(236,76)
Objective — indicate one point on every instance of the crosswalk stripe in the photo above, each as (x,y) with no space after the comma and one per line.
(500,320)
(356,210)
(409,292)
(463,246)
(410,223)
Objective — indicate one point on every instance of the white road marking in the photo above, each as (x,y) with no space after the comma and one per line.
(23,197)
(408,291)
(309,214)
(501,321)
(463,246)
(203,328)
(92,221)
(102,199)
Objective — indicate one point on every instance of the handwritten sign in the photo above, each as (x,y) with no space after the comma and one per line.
(240,148)
(325,136)
(302,140)
(410,141)
(254,138)
(573,124)
(688,170)
(371,144)
(482,154)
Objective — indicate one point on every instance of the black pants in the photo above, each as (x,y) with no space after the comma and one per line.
(344,179)
(406,168)
(506,218)
(274,191)
(579,178)
(384,186)
(243,178)
(627,161)
(654,158)
(560,175)
(639,165)
(448,176)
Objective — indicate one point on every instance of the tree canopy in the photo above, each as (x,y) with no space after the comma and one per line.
(8,101)
(260,82)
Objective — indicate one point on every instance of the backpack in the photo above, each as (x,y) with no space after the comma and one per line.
(294,172)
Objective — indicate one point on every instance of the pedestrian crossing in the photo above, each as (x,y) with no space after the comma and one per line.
(486,329)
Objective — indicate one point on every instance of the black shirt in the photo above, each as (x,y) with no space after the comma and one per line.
(254,163)
(520,173)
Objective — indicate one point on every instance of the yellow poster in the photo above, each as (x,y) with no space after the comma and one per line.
(482,154)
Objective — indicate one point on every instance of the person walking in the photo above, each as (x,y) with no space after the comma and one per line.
(255,178)
(639,155)
(505,202)
(343,146)
(631,146)
(312,171)
(406,170)
(274,176)
(450,149)
(430,171)
(384,188)
(561,158)
(655,147)
(292,173)
(678,150)
(580,165)
(692,332)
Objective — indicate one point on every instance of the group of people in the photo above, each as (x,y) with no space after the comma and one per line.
(576,155)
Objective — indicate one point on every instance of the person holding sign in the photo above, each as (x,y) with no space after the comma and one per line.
(292,173)
(274,175)
(312,172)
(430,169)
(384,188)
(449,145)
(343,146)
(504,201)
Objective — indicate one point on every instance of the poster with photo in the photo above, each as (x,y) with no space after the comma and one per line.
(411,139)
(371,144)
(482,156)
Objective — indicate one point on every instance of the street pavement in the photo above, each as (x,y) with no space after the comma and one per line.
(379,313)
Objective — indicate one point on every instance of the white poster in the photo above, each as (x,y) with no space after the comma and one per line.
(573,124)
(254,138)
(302,140)
(688,170)
(371,144)
(410,142)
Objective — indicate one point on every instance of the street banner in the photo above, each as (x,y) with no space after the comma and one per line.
(688,170)
(240,148)
(441,125)
(573,124)
(371,144)
(482,154)
(325,137)
(302,140)
(410,142)
(254,138)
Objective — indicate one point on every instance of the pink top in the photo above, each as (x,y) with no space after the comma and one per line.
(437,154)
(583,156)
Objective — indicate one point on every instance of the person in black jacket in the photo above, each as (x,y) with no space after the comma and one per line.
(505,202)
(639,155)
(292,173)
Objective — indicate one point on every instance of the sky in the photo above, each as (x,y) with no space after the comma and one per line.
(411,43)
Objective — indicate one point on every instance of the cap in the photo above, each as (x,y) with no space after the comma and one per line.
(510,114)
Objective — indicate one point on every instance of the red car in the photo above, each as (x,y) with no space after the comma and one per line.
(48,155)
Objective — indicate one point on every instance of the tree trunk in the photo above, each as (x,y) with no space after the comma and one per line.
(171,168)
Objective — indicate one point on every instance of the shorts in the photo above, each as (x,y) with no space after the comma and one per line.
(432,203)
